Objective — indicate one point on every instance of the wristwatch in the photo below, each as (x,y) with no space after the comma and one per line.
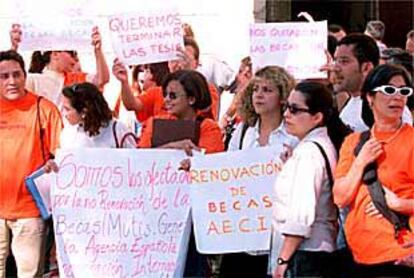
(281,261)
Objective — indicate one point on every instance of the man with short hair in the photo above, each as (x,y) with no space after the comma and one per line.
(355,56)
(376,30)
(29,134)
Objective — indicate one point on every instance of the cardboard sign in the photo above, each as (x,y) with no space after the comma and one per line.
(120,213)
(146,37)
(231,199)
(298,47)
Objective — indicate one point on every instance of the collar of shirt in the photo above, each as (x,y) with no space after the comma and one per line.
(316,134)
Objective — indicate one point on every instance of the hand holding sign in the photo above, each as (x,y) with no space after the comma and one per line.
(96,38)
(15,36)
(120,71)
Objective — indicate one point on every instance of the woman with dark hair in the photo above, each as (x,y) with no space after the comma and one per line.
(383,75)
(185,94)
(375,242)
(304,212)
(90,120)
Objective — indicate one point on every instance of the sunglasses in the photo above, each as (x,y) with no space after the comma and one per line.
(391,90)
(172,95)
(293,109)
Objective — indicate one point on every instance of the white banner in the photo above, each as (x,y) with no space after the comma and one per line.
(231,199)
(62,25)
(298,47)
(146,37)
(120,213)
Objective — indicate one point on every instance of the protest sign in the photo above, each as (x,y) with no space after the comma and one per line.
(296,46)
(120,213)
(231,199)
(67,25)
(146,37)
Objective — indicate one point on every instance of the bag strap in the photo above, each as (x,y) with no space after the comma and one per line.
(327,164)
(243,133)
(114,134)
(377,194)
(41,130)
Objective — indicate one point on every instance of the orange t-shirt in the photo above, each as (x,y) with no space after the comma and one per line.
(153,103)
(210,135)
(74,77)
(20,148)
(371,239)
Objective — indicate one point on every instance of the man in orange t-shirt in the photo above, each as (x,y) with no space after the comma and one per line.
(23,148)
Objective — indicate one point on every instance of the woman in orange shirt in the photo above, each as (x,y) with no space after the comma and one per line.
(372,238)
(185,93)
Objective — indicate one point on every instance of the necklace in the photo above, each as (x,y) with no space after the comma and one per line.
(389,139)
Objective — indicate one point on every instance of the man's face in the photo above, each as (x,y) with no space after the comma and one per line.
(347,73)
(409,45)
(12,80)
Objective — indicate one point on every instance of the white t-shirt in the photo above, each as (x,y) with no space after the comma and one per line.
(74,136)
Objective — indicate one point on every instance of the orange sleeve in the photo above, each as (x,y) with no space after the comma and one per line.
(214,101)
(346,155)
(210,137)
(146,134)
(53,129)
(74,77)
(149,100)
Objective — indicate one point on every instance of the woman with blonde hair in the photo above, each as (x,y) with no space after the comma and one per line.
(263,126)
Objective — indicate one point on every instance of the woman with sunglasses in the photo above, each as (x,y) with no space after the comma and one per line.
(304,212)
(263,126)
(185,93)
(374,243)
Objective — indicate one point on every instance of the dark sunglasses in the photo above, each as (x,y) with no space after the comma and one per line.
(171,95)
(293,109)
(391,90)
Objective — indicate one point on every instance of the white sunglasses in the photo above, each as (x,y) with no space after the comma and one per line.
(391,90)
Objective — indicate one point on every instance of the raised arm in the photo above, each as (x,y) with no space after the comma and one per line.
(102,71)
(130,102)
(15,36)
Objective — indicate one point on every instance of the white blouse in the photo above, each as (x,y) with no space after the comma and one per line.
(74,136)
(303,196)
(277,138)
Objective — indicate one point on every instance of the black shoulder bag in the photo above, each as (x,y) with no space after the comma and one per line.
(377,193)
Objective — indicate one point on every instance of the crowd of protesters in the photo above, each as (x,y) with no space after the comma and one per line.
(343,202)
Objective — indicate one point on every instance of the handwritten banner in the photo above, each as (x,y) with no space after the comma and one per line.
(68,25)
(120,213)
(146,37)
(298,47)
(231,199)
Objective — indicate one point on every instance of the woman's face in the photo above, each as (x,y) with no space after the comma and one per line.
(176,101)
(70,113)
(147,80)
(389,107)
(66,61)
(266,98)
(298,120)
